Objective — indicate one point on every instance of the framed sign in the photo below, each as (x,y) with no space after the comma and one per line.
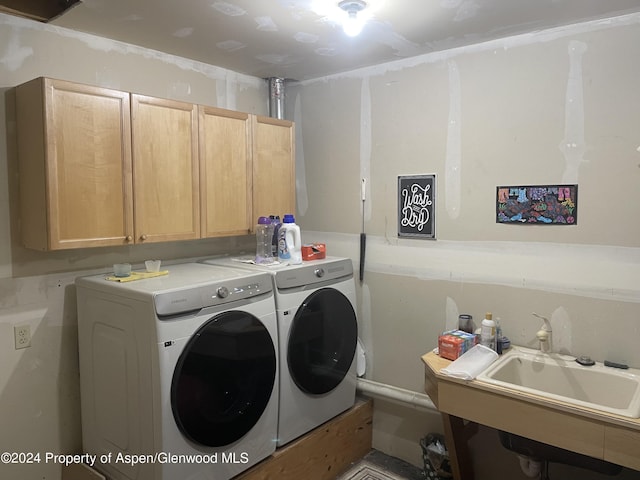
(537,204)
(416,206)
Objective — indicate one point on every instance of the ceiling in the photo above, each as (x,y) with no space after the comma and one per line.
(303,39)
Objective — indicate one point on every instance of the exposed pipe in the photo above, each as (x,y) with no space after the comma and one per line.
(530,467)
(389,392)
(276,97)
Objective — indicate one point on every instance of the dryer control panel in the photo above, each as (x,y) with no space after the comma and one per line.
(311,273)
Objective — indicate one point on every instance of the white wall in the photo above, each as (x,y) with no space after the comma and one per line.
(552,107)
(39,390)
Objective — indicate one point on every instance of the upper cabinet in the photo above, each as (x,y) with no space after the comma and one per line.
(165,169)
(273,167)
(101,167)
(74,144)
(225,172)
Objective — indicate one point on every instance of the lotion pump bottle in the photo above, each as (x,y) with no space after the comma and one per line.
(488,332)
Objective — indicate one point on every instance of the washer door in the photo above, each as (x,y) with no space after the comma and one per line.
(223,379)
(322,341)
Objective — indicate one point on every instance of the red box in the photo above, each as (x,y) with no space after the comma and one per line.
(314,251)
(454,343)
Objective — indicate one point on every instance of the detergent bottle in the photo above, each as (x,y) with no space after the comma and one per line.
(289,241)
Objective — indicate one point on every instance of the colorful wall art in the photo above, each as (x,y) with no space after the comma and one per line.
(537,205)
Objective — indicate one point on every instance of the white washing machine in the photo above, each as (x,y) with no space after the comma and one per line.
(178,373)
(318,334)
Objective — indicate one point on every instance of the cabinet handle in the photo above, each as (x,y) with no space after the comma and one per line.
(143,237)
(129,238)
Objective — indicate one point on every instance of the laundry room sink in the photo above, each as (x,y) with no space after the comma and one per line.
(560,377)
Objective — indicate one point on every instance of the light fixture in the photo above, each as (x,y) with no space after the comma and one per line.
(352,25)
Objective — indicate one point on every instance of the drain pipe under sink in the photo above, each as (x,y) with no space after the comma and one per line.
(420,401)
(384,391)
(530,467)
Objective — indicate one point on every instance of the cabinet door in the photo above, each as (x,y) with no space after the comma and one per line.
(165,170)
(225,172)
(273,167)
(75,165)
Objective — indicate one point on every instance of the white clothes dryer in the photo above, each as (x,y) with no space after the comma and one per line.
(178,373)
(318,334)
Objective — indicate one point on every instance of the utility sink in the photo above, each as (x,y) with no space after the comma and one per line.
(560,377)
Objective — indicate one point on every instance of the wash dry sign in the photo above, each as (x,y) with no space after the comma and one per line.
(416,206)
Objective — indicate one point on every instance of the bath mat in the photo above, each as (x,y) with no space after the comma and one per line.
(367,471)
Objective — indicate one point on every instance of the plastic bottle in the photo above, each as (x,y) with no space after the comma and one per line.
(289,241)
(275,221)
(488,332)
(498,337)
(264,237)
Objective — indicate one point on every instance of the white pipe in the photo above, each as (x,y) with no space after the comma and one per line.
(390,392)
(529,466)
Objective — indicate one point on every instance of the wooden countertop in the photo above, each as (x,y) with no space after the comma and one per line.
(591,432)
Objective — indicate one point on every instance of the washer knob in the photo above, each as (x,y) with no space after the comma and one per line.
(319,272)
(222,292)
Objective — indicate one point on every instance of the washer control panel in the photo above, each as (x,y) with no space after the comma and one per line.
(210,295)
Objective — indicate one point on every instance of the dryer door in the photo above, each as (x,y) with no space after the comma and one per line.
(322,341)
(223,379)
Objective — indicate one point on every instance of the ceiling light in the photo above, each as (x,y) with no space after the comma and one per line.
(353,24)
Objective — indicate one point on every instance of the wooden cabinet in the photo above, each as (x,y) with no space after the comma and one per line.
(273,167)
(74,144)
(165,169)
(225,172)
(102,167)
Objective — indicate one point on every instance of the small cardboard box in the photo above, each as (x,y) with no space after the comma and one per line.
(453,343)
(314,251)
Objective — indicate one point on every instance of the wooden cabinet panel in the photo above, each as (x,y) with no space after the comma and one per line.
(273,167)
(225,172)
(622,446)
(75,165)
(165,169)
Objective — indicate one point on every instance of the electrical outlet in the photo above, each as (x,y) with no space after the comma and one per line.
(22,336)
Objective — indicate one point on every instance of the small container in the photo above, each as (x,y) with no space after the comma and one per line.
(499,345)
(314,251)
(465,323)
(488,332)
(264,238)
(152,265)
(275,221)
(122,269)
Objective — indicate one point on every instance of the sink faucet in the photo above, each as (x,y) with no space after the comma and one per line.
(544,334)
